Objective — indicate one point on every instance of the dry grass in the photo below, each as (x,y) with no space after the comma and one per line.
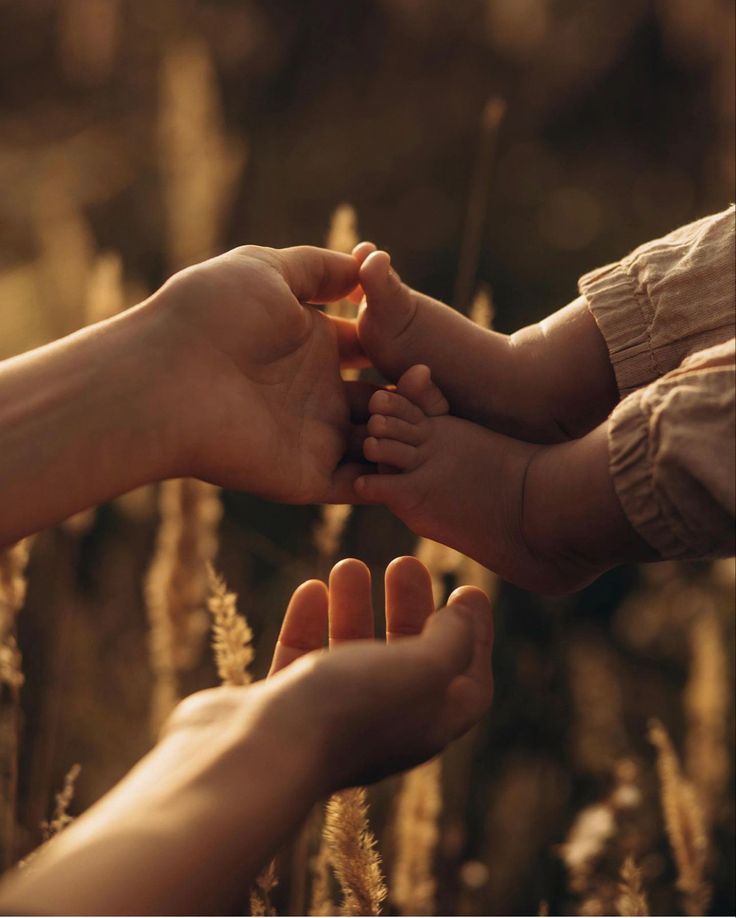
(61,817)
(263,887)
(632,898)
(707,711)
(683,816)
(352,853)
(233,651)
(176,585)
(416,830)
(666,633)
(321,901)
(232,637)
(199,162)
(13,585)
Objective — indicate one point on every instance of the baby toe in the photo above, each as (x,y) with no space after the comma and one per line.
(388,299)
(416,384)
(392,404)
(383,451)
(392,428)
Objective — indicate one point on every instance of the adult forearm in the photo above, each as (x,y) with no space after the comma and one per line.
(81,420)
(185,832)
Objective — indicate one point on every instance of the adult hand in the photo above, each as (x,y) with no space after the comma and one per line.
(255,396)
(379,708)
(237,769)
(225,374)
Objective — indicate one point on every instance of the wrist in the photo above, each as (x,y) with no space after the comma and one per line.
(142,366)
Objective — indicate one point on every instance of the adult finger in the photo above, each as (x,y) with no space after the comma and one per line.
(409,599)
(304,625)
(351,607)
(317,275)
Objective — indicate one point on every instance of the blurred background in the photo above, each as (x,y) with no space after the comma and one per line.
(498,149)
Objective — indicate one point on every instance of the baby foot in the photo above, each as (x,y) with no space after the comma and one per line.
(451,480)
(399,327)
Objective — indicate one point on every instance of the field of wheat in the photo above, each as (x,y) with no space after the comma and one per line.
(498,149)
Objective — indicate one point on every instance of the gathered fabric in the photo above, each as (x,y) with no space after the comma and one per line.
(668,314)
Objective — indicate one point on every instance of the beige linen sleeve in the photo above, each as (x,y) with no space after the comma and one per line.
(666,300)
(673,457)
(667,313)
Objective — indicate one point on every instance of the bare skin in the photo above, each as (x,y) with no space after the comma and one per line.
(546,518)
(237,769)
(520,385)
(225,373)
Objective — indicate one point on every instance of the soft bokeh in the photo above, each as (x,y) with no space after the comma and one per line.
(504,145)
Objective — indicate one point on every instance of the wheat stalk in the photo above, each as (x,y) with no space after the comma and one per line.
(684,822)
(176,585)
(65,241)
(707,703)
(321,899)
(260,892)
(13,587)
(353,854)
(200,164)
(232,644)
(472,240)
(342,235)
(232,636)
(599,735)
(61,818)
(440,560)
(414,886)
(482,311)
(632,899)
(329,530)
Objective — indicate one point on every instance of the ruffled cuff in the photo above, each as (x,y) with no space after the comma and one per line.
(632,457)
(622,316)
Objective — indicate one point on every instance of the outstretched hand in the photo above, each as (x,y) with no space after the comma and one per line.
(237,769)
(383,707)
